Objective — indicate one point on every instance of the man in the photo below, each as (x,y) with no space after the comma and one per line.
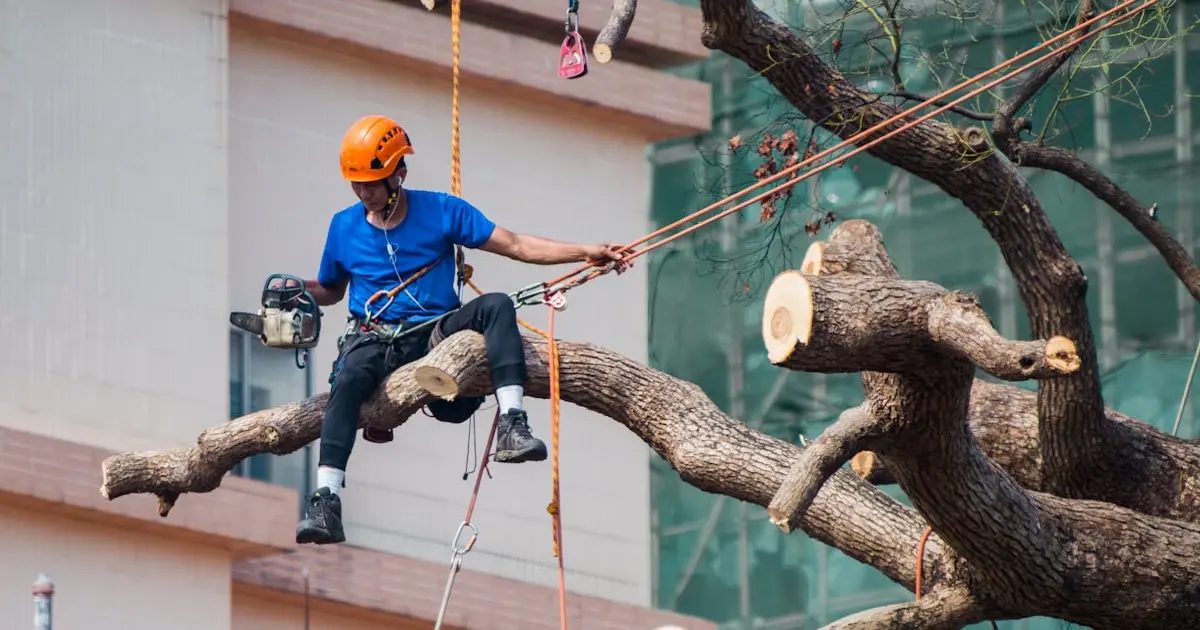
(395,236)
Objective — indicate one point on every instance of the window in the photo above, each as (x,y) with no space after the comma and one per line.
(262,378)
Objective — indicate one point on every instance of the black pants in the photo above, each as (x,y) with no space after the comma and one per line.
(365,361)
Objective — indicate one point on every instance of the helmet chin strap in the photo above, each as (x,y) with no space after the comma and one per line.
(393,197)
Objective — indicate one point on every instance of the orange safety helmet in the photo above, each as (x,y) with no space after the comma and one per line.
(372,148)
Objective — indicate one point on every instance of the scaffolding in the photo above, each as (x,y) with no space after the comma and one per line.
(723,560)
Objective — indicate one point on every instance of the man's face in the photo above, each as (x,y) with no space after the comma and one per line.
(374,195)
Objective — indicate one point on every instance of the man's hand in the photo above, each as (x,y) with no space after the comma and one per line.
(605,253)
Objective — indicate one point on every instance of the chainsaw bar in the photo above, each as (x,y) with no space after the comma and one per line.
(249,322)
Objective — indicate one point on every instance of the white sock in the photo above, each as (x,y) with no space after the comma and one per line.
(510,397)
(332,478)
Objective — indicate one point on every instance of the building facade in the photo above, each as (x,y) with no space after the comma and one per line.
(197,139)
(725,561)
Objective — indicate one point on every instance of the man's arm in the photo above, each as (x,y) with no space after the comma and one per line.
(468,227)
(326,296)
(533,249)
(543,251)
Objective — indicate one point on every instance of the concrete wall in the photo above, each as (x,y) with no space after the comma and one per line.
(108,578)
(113,219)
(531,171)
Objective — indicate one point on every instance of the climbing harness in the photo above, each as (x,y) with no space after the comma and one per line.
(572,55)
(289,317)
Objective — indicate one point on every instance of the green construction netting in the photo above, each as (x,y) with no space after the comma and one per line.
(716,557)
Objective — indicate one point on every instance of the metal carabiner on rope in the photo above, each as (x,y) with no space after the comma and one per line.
(572,55)
(529,295)
(460,549)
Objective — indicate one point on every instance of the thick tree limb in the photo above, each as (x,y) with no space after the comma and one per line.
(1157,474)
(853,323)
(614,30)
(948,609)
(819,459)
(711,451)
(854,246)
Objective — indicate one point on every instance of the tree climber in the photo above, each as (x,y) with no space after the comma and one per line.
(390,237)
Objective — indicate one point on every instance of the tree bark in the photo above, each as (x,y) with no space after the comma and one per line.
(947,609)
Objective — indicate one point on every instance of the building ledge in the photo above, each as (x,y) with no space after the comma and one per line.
(657,105)
(407,588)
(663,34)
(247,518)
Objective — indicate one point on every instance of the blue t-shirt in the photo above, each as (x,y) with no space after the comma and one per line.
(435,223)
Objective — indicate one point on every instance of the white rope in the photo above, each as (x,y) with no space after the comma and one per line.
(1187,389)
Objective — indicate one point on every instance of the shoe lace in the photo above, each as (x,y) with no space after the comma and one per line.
(520,426)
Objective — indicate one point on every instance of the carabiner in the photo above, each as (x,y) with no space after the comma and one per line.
(528,296)
(461,550)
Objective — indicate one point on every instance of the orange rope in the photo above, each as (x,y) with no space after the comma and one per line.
(554,508)
(859,136)
(921,556)
(465,273)
(464,270)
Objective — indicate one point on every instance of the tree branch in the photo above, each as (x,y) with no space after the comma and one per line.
(709,450)
(959,324)
(819,459)
(948,609)
(614,30)
(1140,217)
(1006,132)
(853,323)
(1041,74)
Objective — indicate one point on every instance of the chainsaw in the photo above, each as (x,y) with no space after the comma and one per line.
(289,318)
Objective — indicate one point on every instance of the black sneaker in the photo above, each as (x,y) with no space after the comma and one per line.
(514,442)
(322,522)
